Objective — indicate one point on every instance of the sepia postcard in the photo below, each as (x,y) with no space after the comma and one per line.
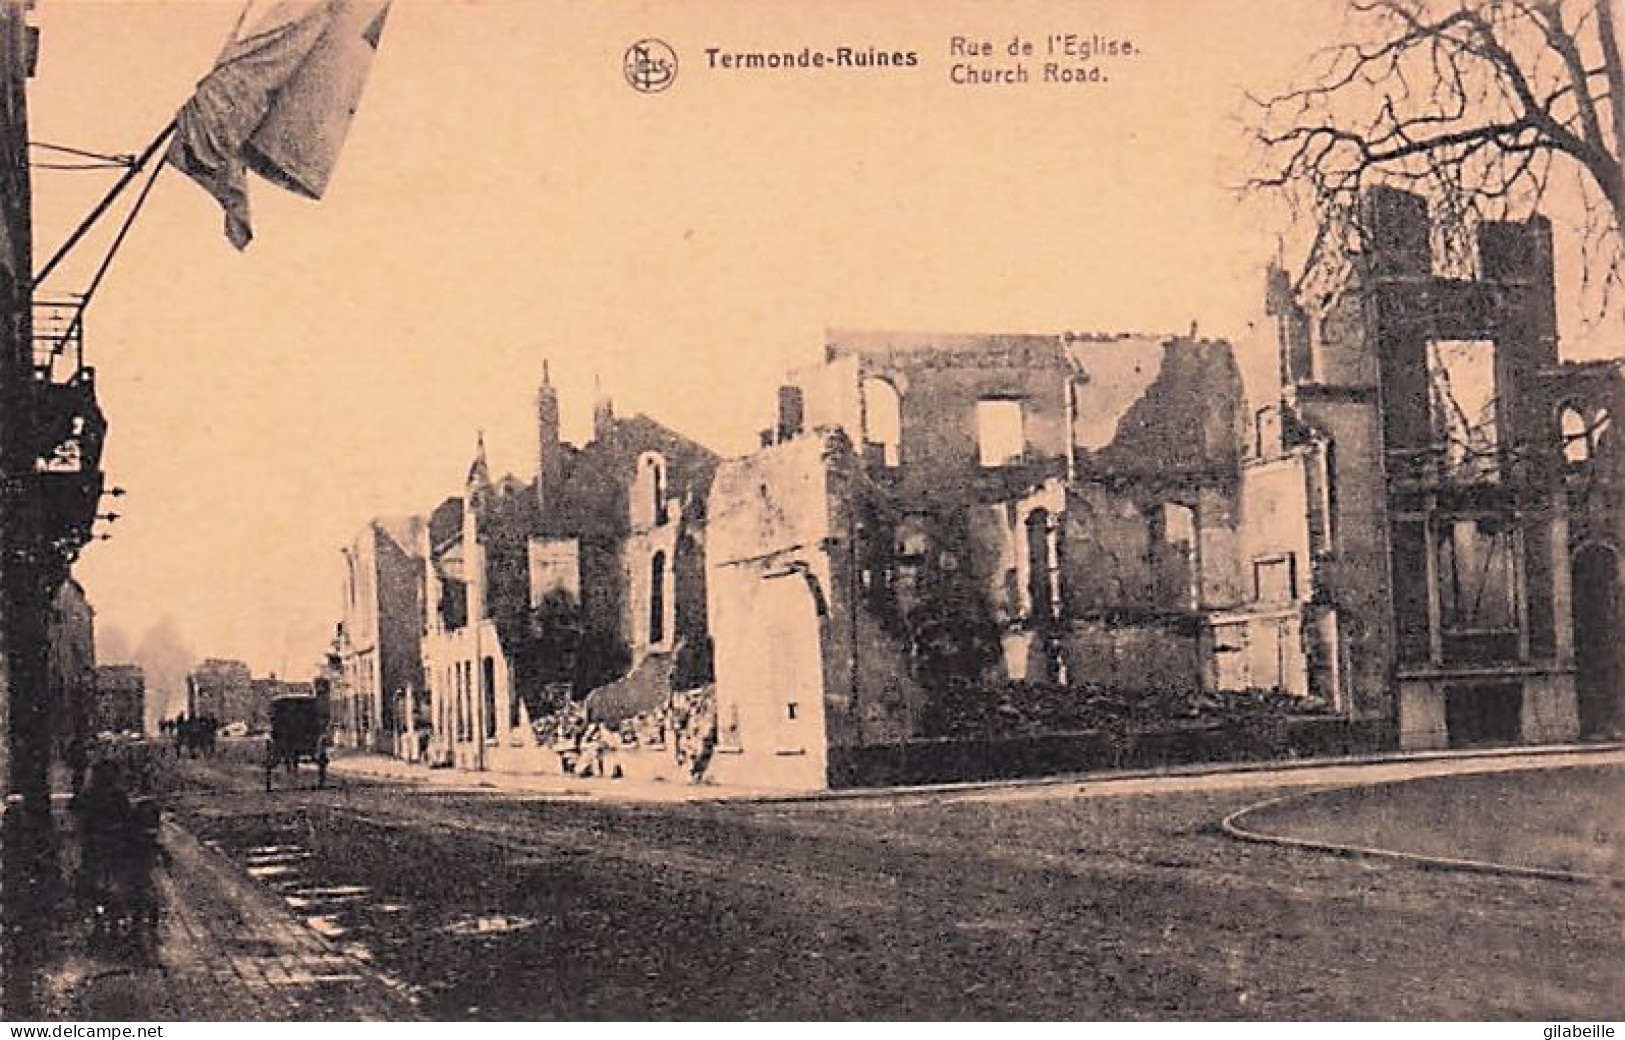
(860,510)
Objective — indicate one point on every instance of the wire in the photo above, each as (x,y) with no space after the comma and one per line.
(76,166)
(123,159)
(76,326)
(107,200)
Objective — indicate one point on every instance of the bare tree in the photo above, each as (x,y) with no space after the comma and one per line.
(1479,104)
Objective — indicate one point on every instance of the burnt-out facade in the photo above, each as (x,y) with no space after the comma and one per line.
(538,592)
(936,512)
(1447,534)
(1586,397)
(380,690)
(1418,535)
(1041,507)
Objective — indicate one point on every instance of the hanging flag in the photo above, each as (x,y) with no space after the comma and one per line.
(278,101)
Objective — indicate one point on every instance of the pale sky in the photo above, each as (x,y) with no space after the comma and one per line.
(506,197)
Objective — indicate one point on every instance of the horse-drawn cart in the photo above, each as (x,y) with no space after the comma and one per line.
(298,733)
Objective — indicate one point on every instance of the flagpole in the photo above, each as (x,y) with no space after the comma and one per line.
(101,207)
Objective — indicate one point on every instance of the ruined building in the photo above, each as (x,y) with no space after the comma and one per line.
(379,645)
(936,509)
(71,676)
(1585,396)
(120,698)
(537,592)
(1446,536)
(220,689)
(1397,538)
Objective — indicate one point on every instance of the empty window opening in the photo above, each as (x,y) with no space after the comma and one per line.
(1463,403)
(1178,554)
(657,599)
(1477,579)
(488,695)
(1001,436)
(912,540)
(652,478)
(1040,580)
(659,487)
(1582,434)
(1275,580)
(882,419)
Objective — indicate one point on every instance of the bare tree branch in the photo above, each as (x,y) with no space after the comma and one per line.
(1472,102)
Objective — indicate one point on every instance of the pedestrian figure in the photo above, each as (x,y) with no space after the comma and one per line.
(118,842)
(103,811)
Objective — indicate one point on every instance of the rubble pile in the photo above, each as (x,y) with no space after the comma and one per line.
(966,710)
(685,724)
(566,727)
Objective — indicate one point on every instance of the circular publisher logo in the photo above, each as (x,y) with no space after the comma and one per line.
(650,66)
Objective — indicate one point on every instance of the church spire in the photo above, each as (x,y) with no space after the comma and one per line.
(547,436)
(479,474)
(603,412)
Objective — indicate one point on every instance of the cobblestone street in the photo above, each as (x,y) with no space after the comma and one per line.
(1113,899)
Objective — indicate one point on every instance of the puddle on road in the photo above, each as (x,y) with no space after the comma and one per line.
(333,892)
(489,925)
(1011,926)
(263,859)
(340,913)
(359,952)
(273,870)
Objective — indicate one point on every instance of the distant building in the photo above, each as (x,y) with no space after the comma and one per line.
(222,690)
(121,699)
(72,674)
(263,691)
(380,689)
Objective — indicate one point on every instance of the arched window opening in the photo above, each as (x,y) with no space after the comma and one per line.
(1576,439)
(912,539)
(1179,554)
(659,490)
(1582,433)
(882,419)
(1040,581)
(651,498)
(657,599)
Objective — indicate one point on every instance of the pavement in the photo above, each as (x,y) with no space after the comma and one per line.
(1354,769)
(367,766)
(224,950)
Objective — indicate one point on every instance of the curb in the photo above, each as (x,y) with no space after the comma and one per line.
(476,783)
(1192,771)
(1231,825)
